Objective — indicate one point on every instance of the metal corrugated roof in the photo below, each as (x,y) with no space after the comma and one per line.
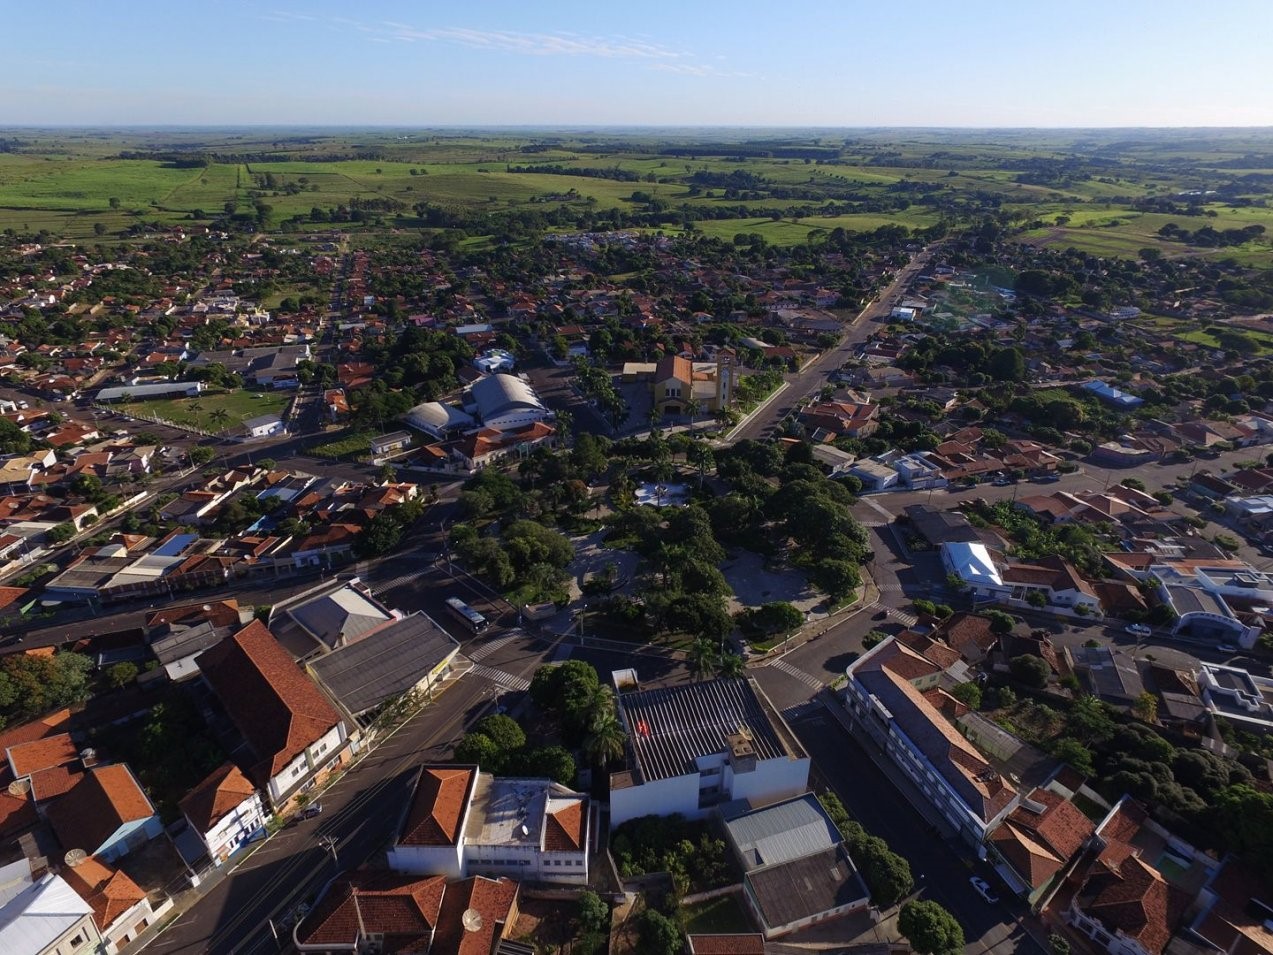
(782,832)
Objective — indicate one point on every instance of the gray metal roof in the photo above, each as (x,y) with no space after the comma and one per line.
(806,887)
(670,727)
(341,614)
(174,642)
(782,832)
(386,664)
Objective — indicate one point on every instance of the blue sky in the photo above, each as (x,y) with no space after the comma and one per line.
(692,62)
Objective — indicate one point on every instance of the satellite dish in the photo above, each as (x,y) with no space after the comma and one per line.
(472,920)
(20,787)
(88,753)
(207,607)
(75,857)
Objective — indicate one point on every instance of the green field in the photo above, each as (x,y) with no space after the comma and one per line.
(201,412)
(64,183)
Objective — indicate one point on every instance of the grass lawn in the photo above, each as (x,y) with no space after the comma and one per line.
(721,916)
(200,412)
(347,444)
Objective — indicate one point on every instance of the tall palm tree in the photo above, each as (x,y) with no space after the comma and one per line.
(605,741)
(692,407)
(731,666)
(220,417)
(701,658)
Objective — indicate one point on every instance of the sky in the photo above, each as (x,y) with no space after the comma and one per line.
(839,63)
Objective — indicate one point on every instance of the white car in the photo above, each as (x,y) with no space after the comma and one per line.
(1138,629)
(983,889)
(1227,648)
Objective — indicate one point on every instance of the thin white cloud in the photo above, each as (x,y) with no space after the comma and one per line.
(697,69)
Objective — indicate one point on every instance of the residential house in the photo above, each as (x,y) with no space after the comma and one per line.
(292,735)
(264,426)
(1234,913)
(1036,845)
(226,811)
(1240,697)
(1056,580)
(749,943)
(121,908)
(1109,675)
(1135,883)
(694,746)
(874,475)
(971,562)
(390,443)
(105,813)
(461,821)
(46,917)
(892,693)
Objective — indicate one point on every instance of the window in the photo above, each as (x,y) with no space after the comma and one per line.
(78,940)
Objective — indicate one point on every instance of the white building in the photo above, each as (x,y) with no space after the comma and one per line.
(694,746)
(264,426)
(461,821)
(494,360)
(165,389)
(44,918)
(505,402)
(438,420)
(970,561)
(892,693)
(1237,695)
(226,811)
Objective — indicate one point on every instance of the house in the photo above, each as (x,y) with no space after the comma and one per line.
(969,635)
(834,461)
(1035,846)
(693,746)
(292,735)
(874,475)
(407,656)
(331,615)
(1234,913)
(264,426)
(938,526)
(1107,674)
(121,908)
(972,564)
(483,447)
(892,693)
(796,869)
(749,943)
(1114,396)
(390,443)
(1135,883)
(493,360)
(226,811)
(1056,580)
(369,911)
(45,917)
(1238,696)
(461,821)
(105,813)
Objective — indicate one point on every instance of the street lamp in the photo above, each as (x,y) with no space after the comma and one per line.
(330,843)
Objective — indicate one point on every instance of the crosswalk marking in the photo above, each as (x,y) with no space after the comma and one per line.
(908,619)
(796,672)
(486,649)
(506,680)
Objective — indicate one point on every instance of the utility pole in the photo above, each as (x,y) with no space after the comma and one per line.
(330,843)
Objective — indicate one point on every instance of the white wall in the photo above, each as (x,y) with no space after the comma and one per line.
(658,798)
(771,780)
(429,860)
(235,828)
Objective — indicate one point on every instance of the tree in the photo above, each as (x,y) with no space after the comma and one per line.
(838,579)
(1030,670)
(593,914)
(1057,945)
(503,731)
(930,929)
(200,456)
(481,750)
(388,474)
(552,762)
(60,533)
(1070,750)
(220,417)
(731,666)
(1000,622)
(887,875)
(969,694)
(657,934)
(382,535)
(701,658)
(121,674)
(605,741)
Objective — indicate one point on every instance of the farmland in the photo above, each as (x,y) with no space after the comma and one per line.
(783,189)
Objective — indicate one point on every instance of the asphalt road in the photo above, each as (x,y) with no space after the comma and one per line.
(360,812)
(941,869)
(813,376)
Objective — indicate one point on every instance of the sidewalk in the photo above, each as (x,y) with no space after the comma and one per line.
(815,628)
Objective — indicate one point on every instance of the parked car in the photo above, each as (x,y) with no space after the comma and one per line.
(1227,648)
(983,889)
(1138,630)
(312,810)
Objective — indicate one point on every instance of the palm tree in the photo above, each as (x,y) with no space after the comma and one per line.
(564,420)
(731,666)
(220,417)
(605,741)
(692,407)
(701,658)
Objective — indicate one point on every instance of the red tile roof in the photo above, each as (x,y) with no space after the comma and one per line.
(276,707)
(442,795)
(564,830)
(748,944)
(101,801)
(28,758)
(1135,900)
(403,909)
(111,893)
(216,797)
(55,781)
(492,899)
